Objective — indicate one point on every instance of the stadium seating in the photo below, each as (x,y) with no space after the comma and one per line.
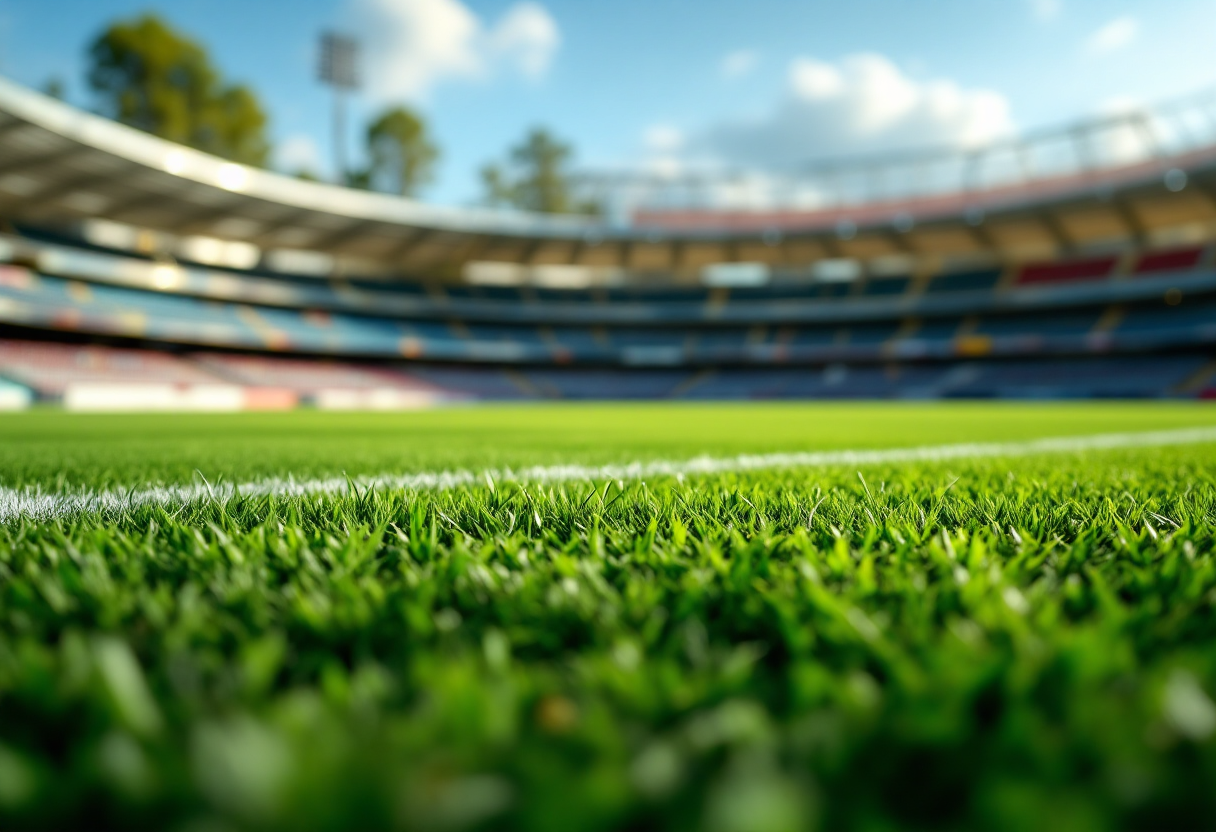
(1070,270)
(93,377)
(325,384)
(51,368)
(1197,316)
(886,286)
(965,281)
(1123,377)
(1055,323)
(1171,260)
(789,338)
(102,378)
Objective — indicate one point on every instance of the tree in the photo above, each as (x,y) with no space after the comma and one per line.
(400,152)
(535,177)
(54,87)
(149,76)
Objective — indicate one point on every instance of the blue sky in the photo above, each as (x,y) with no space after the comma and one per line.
(662,83)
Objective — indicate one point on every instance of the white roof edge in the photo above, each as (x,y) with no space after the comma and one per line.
(173,159)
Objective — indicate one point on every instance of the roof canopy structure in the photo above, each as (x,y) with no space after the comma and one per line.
(59,164)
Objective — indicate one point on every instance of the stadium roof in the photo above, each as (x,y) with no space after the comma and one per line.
(60,164)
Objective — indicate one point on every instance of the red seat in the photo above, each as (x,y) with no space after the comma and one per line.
(1068,271)
(1169,261)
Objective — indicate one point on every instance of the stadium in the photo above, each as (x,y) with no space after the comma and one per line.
(868,492)
(1076,263)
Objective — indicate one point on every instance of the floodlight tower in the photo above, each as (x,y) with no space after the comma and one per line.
(339,69)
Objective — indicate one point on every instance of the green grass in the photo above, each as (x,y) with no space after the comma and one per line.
(999,644)
(51,447)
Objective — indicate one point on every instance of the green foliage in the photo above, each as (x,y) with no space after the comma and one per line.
(1005,644)
(151,77)
(401,154)
(535,177)
(55,88)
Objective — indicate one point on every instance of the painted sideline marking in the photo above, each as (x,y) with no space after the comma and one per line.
(34,504)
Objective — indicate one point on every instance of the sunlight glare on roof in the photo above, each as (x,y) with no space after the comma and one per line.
(232,177)
(175,162)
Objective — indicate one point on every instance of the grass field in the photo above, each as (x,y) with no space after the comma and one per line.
(999,643)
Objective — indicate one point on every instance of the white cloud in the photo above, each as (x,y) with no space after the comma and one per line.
(414,44)
(864,103)
(527,36)
(1113,36)
(739,63)
(298,153)
(663,138)
(1046,10)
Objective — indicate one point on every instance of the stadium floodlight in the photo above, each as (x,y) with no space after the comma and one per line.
(339,61)
(339,68)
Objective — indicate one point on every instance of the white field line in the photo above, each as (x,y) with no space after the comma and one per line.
(34,504)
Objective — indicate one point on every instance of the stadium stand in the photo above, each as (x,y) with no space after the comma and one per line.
(103,378)
(325,384)
(1092,269)
(117,309)
(979,281)
(94,377)
(1170,260)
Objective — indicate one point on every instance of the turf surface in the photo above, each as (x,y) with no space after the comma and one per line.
(999,644)
(50,447)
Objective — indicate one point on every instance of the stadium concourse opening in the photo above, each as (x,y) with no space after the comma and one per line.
(139,274)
